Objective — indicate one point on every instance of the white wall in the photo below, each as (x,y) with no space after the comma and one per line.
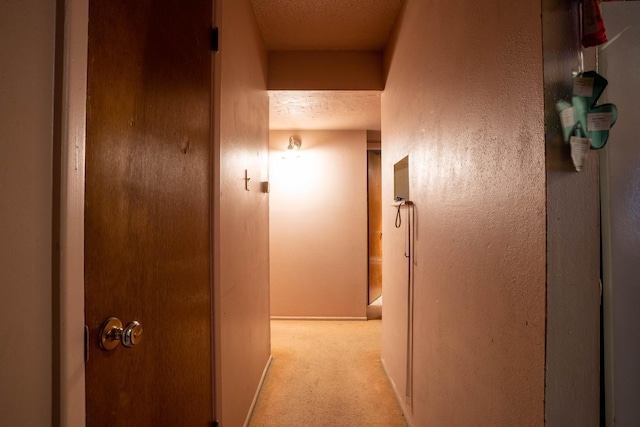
(318,224)
(27,34)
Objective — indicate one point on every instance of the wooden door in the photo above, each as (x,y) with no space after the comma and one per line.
(147,225)
(374,186)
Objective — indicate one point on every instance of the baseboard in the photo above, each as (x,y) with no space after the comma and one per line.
(258,390)
(407,417)
(315,318)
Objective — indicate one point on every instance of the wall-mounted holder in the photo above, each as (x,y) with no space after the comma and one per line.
(401,179)
(246,180)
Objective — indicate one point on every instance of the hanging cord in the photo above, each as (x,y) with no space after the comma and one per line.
(398,216)
(580,35)
(407,239)
(409,255)
(580,49)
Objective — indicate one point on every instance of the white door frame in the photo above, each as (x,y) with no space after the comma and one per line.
(618,183)
(72,171)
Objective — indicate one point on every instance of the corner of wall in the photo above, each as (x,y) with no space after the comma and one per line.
(573,270)
(241,217)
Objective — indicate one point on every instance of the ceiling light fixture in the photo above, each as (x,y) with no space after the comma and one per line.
(293,149)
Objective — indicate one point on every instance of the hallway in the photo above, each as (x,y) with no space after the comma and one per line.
(499,304)
(326,373)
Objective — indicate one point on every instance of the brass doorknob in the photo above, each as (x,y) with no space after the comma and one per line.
(112,333)
(132,334)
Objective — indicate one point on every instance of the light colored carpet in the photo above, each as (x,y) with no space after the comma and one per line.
(326,373)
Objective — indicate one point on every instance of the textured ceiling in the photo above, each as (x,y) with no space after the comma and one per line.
(338,110)
(326,24)
(352,25)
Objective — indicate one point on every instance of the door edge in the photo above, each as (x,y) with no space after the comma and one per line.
(69,324)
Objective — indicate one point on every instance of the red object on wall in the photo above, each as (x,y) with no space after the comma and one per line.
(593,32)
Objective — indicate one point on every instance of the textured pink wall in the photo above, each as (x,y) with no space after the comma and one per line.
(318,225)
(241,217)
(27,46)
(464,99)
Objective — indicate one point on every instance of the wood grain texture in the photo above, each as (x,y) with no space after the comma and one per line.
(147,224)
(374,199)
